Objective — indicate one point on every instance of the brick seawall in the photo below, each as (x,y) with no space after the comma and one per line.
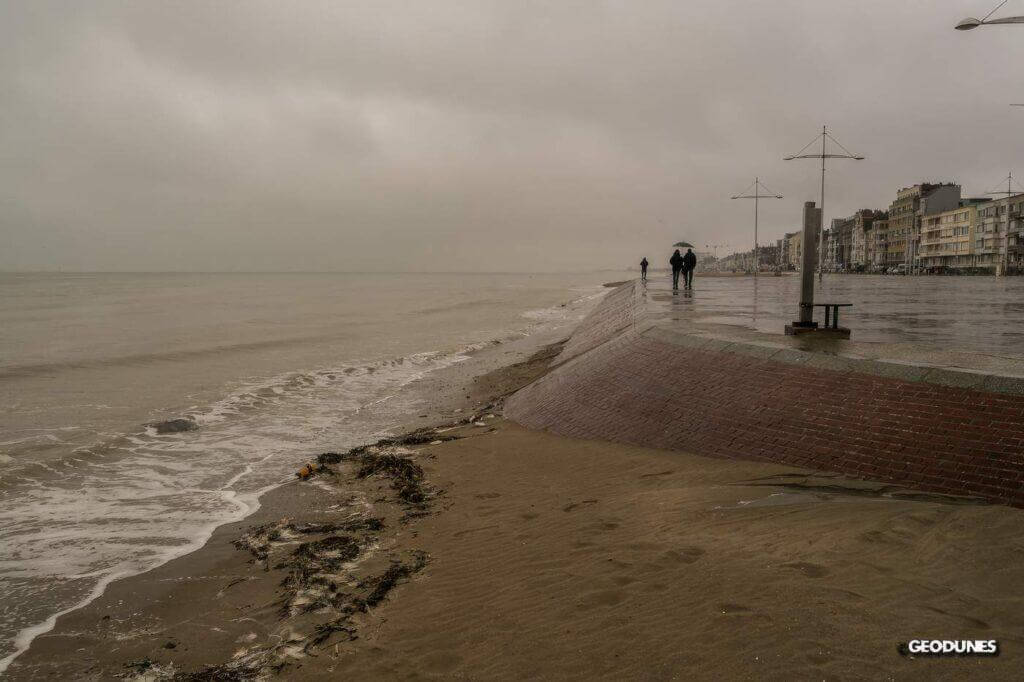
(646,385)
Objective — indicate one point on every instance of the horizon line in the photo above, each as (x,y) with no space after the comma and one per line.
(309,272)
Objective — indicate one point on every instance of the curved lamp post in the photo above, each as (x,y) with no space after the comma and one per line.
(971,23)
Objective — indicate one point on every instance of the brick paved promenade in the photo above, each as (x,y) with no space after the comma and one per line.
(625,379)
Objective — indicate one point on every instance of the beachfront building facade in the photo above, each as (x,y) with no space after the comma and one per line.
(947,238)
(901,223)
(905,215)
(876,242)
(785,251)
(858,244)
(852,238)
(796,240)
(994,248)
(840,244)
(829,252)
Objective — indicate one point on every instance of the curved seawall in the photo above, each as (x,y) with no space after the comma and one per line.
(626,376)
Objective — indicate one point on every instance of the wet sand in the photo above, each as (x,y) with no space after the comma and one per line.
(519,554)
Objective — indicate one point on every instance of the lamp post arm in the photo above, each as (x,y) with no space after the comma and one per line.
(825,156)
(1005,20)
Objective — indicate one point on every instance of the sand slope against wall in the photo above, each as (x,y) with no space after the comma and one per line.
(624,379)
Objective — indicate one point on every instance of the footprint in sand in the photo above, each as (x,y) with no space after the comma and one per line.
(809,570)
(620,565)
(487,496)
(460,533)
(602,598)
(574,505)
(660,473)
(687,554)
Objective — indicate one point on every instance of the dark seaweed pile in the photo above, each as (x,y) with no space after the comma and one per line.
(406,476)
(318,580)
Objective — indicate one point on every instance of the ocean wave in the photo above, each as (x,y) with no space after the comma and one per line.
(38,369)
(136,500)
(133,500)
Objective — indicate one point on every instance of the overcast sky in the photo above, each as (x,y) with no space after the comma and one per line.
(474,135)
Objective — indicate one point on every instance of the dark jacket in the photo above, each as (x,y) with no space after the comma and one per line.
(689,260)
(676,261)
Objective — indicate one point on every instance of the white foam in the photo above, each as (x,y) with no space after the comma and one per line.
(142,499)
(23,639)
(159,496)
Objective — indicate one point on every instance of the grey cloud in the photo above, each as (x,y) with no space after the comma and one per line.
(472,135)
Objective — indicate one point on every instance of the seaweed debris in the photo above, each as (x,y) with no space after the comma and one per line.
(417,437)
(378,588)
(387,581)
(221,673)
(259,540)
(406,476)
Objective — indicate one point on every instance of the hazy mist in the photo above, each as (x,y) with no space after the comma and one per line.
(475,135)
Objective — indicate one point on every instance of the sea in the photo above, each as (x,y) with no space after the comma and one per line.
(264,370)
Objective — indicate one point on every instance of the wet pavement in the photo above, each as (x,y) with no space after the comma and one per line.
(973,323)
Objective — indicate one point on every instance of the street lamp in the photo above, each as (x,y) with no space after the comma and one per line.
(823,155)
(971,23)
(716,247)
(757,196)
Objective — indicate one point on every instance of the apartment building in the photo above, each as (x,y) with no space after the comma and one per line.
(906,212)
(839,246)
(876,243)
(947,238)
(861,227)
(994,248)
(796,248)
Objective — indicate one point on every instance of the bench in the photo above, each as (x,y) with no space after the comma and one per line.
(834,308)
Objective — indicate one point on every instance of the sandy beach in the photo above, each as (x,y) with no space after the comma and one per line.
(487,551)
(346,341)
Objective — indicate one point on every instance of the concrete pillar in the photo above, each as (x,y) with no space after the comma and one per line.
(812,225)
(806,323)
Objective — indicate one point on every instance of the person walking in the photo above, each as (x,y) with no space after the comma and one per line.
(689,263)
(643,269)
(676,261)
